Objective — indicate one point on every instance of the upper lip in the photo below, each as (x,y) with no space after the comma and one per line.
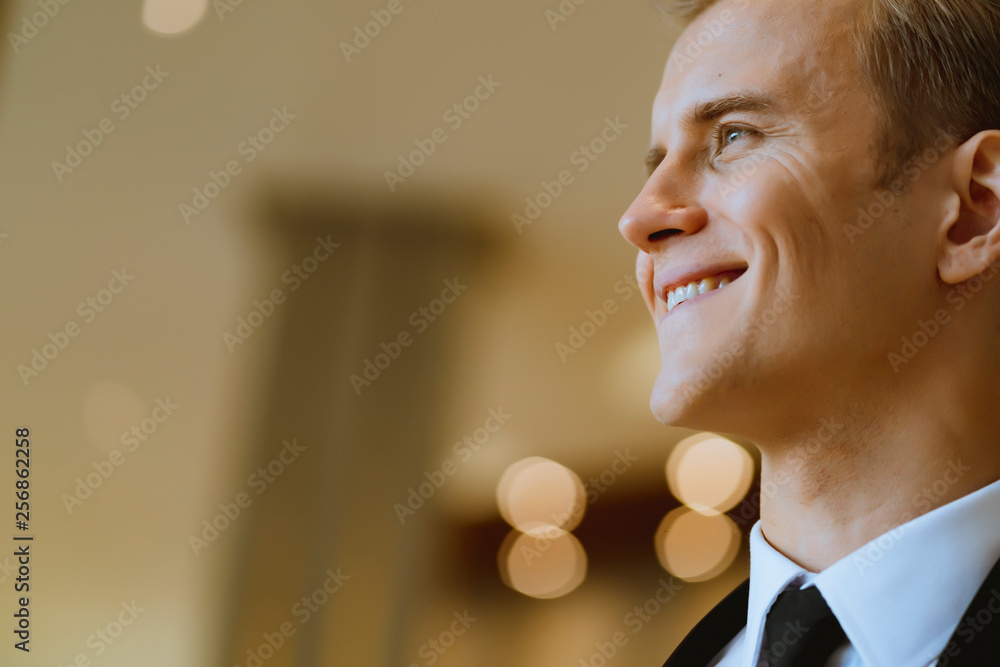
(667,281)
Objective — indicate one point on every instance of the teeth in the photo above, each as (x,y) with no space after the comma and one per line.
(691,290)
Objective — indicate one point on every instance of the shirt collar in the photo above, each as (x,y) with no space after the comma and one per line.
(891,595)
(770,573)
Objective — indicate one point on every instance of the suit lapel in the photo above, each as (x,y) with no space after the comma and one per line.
(976,641)
(714,631)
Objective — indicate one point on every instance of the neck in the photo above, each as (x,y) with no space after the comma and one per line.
(848,479)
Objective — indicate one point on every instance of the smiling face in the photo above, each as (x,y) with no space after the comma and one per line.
(761,164)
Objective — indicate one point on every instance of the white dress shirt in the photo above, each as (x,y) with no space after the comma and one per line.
(899,598)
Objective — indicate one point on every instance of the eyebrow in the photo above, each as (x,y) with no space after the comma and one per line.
(707,111)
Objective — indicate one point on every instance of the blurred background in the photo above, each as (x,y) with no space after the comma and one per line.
(328,344)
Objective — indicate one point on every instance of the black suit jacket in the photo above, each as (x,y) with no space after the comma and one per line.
(974,643)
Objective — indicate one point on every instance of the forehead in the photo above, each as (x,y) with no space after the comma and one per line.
(793,51)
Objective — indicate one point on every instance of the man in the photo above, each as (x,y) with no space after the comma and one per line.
(818,243)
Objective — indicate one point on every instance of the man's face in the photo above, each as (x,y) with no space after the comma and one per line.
(765,135)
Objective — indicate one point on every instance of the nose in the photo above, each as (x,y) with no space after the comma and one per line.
(659,212)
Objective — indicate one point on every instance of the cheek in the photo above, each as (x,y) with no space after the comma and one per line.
(785,231)
(802,265)
(644,277)
(895,271)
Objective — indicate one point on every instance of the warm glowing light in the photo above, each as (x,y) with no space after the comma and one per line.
(538,492)
(546,563)
(695,546)
(170,17)
(709,473)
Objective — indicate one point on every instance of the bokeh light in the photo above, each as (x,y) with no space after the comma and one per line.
(709,473)
(537,492)
(546,563)
(171,17)
(694,546)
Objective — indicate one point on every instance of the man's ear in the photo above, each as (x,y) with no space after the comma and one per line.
(970,237)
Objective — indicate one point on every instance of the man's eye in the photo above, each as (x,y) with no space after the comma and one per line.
(729,134)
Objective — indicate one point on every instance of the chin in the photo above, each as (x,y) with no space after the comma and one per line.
(691,399)
(676,401)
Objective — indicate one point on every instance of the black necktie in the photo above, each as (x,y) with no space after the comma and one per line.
(800,630)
